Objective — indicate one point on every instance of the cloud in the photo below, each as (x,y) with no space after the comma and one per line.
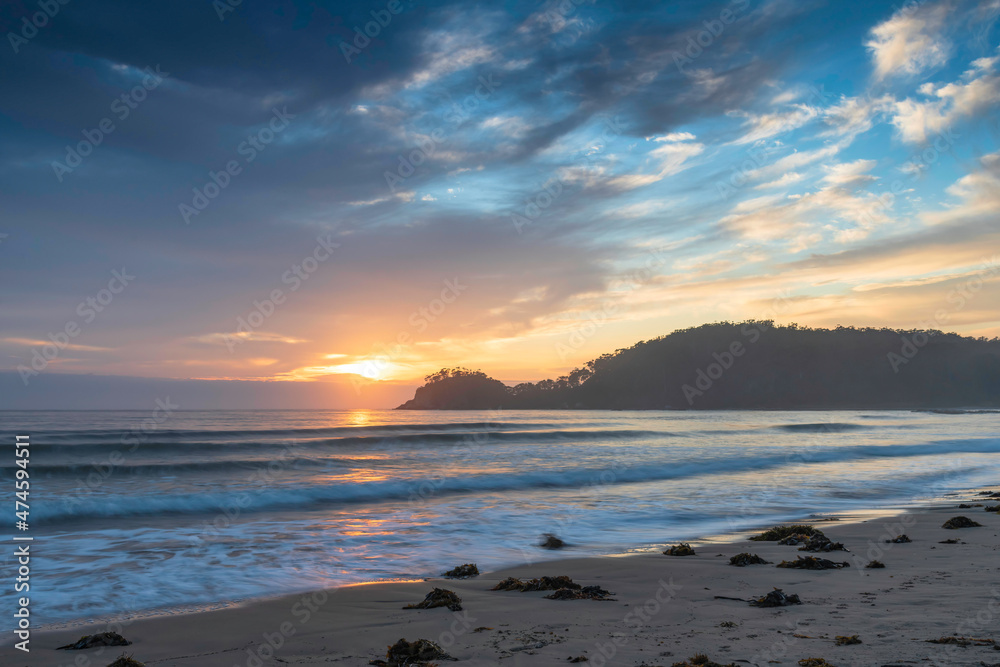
(848,174)
(977,92)
(910,42)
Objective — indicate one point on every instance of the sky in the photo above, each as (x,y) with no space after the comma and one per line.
(354,195)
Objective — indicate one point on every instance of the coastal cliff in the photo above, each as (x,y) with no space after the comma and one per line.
(751,365)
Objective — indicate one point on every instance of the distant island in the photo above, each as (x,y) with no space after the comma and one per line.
(751,365)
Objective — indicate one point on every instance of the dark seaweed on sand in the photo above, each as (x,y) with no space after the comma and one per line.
(950,540)
(585,593)
(466,571)
(682,549)
(812,563)
(875,565)
(100,639)
(417,653)
(899,539)
(822,543)
(439,597)
(814,662)
(126,661)
(540,584)
(960,522)
(776,598)
(701,660)
(992,508)
(841,640)
(744,559)
(963,641)
(779,533)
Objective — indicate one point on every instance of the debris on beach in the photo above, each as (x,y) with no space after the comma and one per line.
(960,522)
(963,641)
(812,563)
(585,593)
(899,539)
(841,640)
(439,597)
(744,559)
(814,662)
(875,565)
(776,598)
(779,533)
(551,542)
(579,658)
(540,584)
(992,508)
(967,506)
(990,494)
(950,540)
(91,641)
(466,571)
(126,661)
(727,624)
(412,654)
(701,660)
(822,543)
(682,549)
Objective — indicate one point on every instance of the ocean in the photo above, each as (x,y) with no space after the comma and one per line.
(136,514)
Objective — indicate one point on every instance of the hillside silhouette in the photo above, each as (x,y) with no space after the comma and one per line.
(751,365)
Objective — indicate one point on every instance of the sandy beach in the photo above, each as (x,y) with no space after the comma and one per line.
(665,609)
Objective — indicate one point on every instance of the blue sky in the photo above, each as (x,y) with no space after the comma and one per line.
(516,187)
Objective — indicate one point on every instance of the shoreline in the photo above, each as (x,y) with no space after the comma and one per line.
(354,623)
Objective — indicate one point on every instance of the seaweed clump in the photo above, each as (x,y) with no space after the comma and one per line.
(551,542)
(776,598)
(744,559)
(960,522)
(992,508)
(466,571)
(812,563)
(779,533)
(439,597)
(585,593)
(814,662)
(100,639)
(963,641)
(875,565)
(950,540)
(540,584)
(701,660)
(682,549)
(822,543)
(412,654)
(126,661)
(841,640)
(899,539)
